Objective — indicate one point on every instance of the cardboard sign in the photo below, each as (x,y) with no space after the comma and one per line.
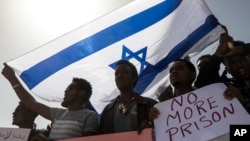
(146,135)
(14,134)
(199,115)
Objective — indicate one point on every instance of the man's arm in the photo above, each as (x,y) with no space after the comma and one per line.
(24,95)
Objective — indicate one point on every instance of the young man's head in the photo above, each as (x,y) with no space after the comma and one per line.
(23,117)
(203,60)
(182,73)
(238,66)
(78,92)
(126,75)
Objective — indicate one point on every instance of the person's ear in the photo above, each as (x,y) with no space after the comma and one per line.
(81,93)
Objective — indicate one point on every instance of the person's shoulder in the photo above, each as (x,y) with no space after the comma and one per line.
(90,112)
(110,105)
(147,99)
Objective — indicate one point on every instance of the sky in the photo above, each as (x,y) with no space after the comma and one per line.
(28,24)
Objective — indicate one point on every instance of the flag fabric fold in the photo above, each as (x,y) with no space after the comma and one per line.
(151,34)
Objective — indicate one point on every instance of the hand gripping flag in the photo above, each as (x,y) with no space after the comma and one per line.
(151,34)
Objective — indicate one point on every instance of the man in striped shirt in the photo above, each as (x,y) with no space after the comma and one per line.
(74,121)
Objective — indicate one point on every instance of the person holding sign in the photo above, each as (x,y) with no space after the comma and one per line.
(182,76)
(24,118)
(75,121)
(237,63)
(129,111)
(235,56)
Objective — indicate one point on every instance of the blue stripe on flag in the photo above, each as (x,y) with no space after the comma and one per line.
(98,41)
(178,51)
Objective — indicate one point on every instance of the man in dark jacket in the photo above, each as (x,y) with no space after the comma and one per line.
(129,111)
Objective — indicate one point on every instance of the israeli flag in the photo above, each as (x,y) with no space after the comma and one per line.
(149,33)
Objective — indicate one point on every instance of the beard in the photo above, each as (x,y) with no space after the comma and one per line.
(14,123)
(65,104)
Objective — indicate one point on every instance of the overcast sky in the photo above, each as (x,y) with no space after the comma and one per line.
(28,24)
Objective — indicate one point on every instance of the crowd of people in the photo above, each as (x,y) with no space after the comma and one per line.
(130,111)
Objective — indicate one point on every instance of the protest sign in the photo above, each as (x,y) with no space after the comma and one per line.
(14,134)
(199,115)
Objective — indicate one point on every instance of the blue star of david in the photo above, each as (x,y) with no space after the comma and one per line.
(139,55)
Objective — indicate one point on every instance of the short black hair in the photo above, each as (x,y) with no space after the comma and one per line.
(132,66)
(189,64)
(84,85)
(209,56)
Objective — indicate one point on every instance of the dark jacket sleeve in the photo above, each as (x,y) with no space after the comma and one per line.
(144,105)
(106,120)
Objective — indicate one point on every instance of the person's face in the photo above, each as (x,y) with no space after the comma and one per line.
(238,67)
(72,94)
(181,75)
(21,115)
(123,78)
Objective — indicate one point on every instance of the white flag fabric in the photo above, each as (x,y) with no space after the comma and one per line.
(151,34)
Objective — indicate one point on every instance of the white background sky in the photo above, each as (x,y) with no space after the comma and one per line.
(28,24)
